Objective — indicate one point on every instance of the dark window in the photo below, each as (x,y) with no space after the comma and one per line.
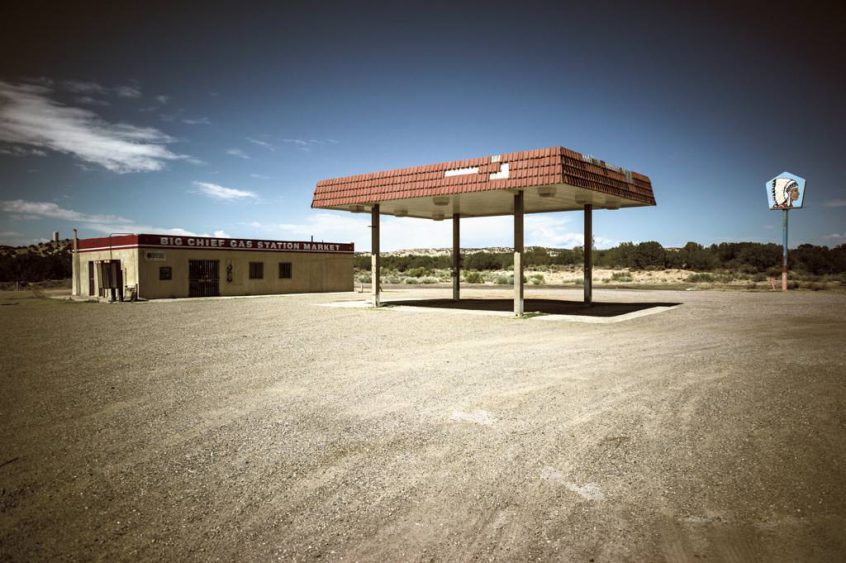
(284,270)
(165,273)
(256,270)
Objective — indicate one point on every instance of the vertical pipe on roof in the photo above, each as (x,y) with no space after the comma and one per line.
(456,257)
(375,259)
(75,282)
(588,254)
(518,253)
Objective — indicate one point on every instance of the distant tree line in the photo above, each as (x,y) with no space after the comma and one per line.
(749,257)
(33,266)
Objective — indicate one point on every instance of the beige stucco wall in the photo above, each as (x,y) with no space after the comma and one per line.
(128,263)
(311,273)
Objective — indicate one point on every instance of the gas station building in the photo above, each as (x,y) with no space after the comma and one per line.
(160,266)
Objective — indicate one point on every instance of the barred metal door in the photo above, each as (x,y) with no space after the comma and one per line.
(203,278)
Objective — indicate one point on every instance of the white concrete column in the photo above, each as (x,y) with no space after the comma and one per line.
(456,257)
(518,254)
(588,254)
(375,259)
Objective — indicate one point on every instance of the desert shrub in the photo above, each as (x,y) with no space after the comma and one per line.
(537,279)
(418,272)
(621,277)
(427,280)
(473,277)
(700,278)
(759,277)
(504,280)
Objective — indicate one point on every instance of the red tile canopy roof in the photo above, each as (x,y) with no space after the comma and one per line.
(552,179)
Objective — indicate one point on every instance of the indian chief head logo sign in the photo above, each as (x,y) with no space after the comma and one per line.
(785,191)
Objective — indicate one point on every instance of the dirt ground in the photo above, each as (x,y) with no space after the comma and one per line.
(279,428)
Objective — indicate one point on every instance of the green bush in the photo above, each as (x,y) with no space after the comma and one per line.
(700,278)
(537,279)
(504,280)
(473,277)
(418,272)
(621,277)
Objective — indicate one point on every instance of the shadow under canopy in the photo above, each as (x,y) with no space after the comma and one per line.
(544,306)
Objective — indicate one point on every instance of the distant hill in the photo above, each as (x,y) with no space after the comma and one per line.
(36,262)
(40,249)
(465,251)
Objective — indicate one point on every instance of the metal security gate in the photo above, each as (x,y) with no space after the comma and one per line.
(203,278)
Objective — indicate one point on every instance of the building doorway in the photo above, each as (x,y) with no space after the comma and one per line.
(111,280)
(91,284)
(203,278)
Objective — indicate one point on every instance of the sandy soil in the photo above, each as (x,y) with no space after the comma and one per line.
(275,427)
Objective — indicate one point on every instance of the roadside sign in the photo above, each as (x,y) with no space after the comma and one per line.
(785,191)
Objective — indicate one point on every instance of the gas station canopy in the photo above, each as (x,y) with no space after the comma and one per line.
(552,179)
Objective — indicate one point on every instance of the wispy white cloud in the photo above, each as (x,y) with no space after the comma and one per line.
(238,152)
(127,91)
(197,121)
(308,144)
(98,223)
(407,233)
(50,210)
(82,87)
(262,144)
(836,203)
(162,99)
(94,88)
(90,101)
(216,191)
(108,228)
(220,233)
(260,176)
(28,116)
(835,238)
(21,151)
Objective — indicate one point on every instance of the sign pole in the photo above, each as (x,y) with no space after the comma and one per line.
(784,255)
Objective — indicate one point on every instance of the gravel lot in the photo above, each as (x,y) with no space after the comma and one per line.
(276,428)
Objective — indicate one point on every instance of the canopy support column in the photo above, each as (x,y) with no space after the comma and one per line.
(456,257)
(375,259)
(518,253)
(588,285)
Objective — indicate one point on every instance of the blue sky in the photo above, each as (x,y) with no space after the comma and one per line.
(162,119)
